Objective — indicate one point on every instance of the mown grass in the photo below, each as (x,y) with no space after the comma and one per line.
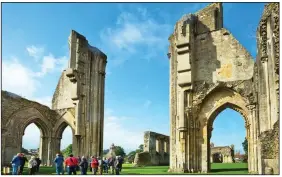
(128,169)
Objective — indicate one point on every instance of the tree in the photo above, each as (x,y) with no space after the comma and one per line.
(66,152)
(25,151)
(119,151)
(245,147)
(131,156)
(141,147)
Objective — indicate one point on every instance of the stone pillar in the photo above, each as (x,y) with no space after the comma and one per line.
(158,145)
(253,117)
(205,151)
(45,150)
(264,61)
(99,98)
(162,146)
(102,98)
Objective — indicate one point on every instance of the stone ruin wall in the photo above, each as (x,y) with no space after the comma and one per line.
(78,101)
(227,154)
(156,150)
(204,57)
(267,83)
(17,114)
(62,95)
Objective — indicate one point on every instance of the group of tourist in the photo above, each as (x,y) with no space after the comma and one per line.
(71,164)
(95,164)
(18,163)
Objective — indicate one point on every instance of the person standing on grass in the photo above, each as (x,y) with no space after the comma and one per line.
(121,160)
(71,163)
(100,161)
(111,162)
(78,160)
(117,165)
(32,164)
(90,162)
(105,165)
(83,165)
(38,164)
(16,162)
(23,159)
(59,161)
(94,165)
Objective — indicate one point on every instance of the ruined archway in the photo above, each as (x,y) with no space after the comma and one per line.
(209,71)
(215,102)
(19,120)
(66,120)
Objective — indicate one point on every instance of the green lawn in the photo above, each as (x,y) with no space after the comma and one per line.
(128,169)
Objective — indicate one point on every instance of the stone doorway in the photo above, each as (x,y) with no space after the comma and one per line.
(223,155)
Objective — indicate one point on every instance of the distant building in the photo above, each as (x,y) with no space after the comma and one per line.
(222,154)
(33,151)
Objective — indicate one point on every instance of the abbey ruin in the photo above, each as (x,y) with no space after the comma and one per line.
(78,101)
(222,154)
(210,71)
(156,150)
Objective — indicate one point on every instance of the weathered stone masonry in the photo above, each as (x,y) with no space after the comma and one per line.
(210,71)
(78,101)
(156,150)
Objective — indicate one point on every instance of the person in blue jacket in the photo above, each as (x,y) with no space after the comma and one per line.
(59,161)
(16,163)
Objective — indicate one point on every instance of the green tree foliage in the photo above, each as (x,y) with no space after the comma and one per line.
(119,151)
(141,147)
(66,152)
(130,157)
(25,151)
(245,147)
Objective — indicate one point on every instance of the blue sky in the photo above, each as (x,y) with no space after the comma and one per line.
(135,38)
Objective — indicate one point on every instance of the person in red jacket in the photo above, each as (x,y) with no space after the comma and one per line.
(71,163)
(94,165)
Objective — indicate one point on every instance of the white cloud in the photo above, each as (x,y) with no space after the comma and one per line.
(116,132)
(50,64)
(18,79)
(135,33)
(35,52)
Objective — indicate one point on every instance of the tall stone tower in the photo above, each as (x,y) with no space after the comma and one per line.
(182,53)
(87,73)
(211,71)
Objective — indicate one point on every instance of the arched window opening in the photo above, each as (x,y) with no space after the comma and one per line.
(31,140)
(66,141)
(227,136)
